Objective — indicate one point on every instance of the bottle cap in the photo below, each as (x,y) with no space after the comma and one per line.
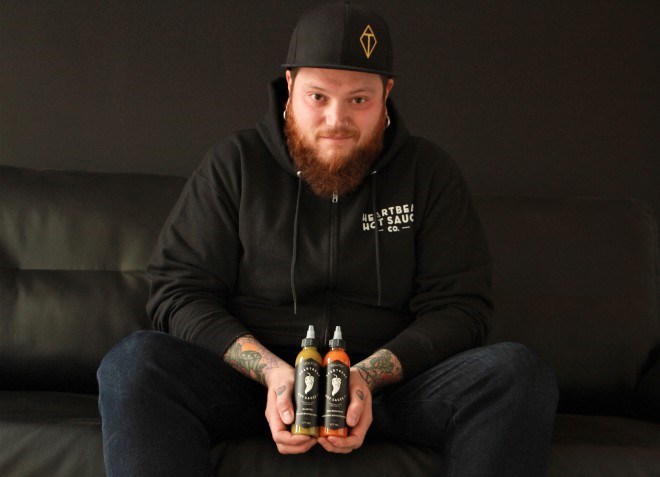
(310,339)
(337,341)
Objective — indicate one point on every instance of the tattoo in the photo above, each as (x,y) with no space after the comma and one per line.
(360,394)
(249,357)
(380,369)
(280,390)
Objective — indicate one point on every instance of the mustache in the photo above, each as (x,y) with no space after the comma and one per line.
(336,132)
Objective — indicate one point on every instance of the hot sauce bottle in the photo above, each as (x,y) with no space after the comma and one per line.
(307,386)
(337,372)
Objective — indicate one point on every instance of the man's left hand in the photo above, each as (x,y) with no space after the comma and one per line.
(358,418)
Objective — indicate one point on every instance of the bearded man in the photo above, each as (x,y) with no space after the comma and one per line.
(328,213)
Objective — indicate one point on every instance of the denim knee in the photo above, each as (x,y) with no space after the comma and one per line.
(524,374)
(128,359)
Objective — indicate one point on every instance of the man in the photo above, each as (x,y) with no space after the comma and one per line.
(329,213)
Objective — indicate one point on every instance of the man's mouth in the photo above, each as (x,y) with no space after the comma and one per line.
(335,138)
(342,136)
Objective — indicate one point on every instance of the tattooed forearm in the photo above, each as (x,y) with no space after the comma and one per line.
(249,357)
(380,369)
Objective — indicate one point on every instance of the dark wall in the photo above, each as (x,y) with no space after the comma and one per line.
(529,96)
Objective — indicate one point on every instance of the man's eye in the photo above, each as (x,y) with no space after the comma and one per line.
(360,100)
(316,96)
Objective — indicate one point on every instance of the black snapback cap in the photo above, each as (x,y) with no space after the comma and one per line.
(341,36)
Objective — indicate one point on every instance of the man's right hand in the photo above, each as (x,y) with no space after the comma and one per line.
(280,414)
(252,359)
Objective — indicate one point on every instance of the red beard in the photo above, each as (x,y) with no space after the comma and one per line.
(340,175)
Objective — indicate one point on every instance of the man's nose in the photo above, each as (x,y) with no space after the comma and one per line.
(336,115)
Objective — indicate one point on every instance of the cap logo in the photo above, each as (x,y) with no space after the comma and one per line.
(368,41)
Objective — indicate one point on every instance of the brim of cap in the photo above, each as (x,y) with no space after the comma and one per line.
(339,67)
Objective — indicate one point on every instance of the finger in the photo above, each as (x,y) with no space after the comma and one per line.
(347,444)
(273,416)
(286,442)
(278,429)
(284,404)
(338,445)
(353,441)
(293,444)
(330,447)
(355,408)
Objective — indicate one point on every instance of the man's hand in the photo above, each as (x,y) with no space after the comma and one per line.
(358,418)
(252,359)
(380,369)
(280,414)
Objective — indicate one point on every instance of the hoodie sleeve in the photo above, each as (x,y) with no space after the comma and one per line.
(193,269)
(452,300)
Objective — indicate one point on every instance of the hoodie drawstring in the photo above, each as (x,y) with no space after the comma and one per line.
(376,237)
(294,255)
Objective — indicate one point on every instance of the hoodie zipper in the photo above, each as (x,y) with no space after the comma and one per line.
(334,242)
(333,259)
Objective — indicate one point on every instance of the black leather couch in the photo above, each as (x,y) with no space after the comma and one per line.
(576,279)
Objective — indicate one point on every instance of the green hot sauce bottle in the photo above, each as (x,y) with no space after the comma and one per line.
(306,386)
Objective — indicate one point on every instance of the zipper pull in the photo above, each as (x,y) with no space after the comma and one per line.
(335,197)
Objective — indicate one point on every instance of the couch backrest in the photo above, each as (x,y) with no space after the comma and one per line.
(73,250)
(576,279)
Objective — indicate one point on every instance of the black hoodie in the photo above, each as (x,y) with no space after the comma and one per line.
(401,263)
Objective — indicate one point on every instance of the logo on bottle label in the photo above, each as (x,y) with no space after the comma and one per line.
(336,395)
(307,387)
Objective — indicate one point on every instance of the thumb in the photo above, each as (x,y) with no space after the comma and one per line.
(284,404)
(355,409)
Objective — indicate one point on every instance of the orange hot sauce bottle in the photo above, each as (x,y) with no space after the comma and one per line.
(337,373)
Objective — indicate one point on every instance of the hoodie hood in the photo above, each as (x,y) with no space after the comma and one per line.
(271,130)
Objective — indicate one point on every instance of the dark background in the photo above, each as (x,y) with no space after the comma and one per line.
(530,97)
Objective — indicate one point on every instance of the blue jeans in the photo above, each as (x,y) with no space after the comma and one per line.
(165,402)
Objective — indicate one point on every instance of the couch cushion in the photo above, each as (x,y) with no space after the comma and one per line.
(54,434)
(576,280)
(73,250)
(595,446)
(260,458)
(59,434)
(583,446)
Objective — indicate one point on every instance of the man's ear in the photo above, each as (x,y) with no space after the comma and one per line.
(289,81)
(388,87)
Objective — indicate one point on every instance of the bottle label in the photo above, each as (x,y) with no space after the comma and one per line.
(336,395)
(307,386)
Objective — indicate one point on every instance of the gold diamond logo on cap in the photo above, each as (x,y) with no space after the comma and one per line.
(368,41)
